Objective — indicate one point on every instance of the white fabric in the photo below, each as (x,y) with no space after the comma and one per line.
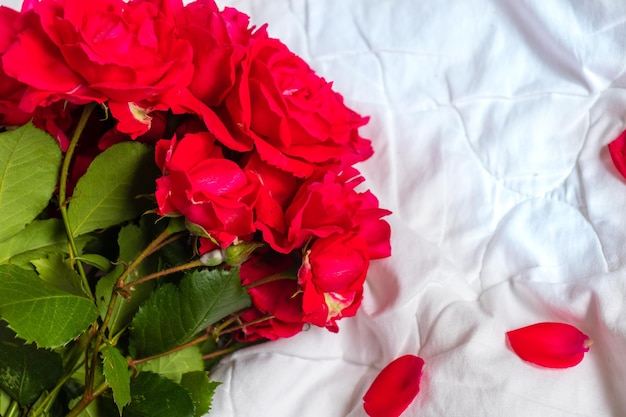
(490,120)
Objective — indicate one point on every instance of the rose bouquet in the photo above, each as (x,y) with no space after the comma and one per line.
(175,185)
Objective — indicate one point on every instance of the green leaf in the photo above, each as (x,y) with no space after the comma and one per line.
(56,271)
(39,239)
(132,240)
(109,192)
(25,371)
(173,315)
(40,312)
(154,395)
(37,235)
(117,375)
(174,365)
(200,389)
(29,167)
(92,410)
(97,261)
(5,401)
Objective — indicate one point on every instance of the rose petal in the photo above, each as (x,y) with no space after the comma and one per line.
(617,149)
(551,345)
(394,388)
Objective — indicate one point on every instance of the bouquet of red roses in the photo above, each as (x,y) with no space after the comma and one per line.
(175,185)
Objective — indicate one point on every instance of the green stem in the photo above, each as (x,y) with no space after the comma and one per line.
(190,265)
(45,405)
(13,410)
(219,353)
(200,339)
(220,331)
(156,244)
(87,399)
(65,169)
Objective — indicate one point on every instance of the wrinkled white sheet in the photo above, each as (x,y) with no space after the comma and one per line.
(490,120)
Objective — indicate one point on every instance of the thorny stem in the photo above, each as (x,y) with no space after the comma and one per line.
(200,339)
(65,169)
(86,400)
(47,402)
(155,245)
(217,331)
(193,264)
(92,363)
(244,325)
(219,353)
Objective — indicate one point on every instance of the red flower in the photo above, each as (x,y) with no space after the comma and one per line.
(127,54)
(209,190)
(219,41)
(290,115)
(11,90)
(323,206)
(617,149)
(551,345)
(278,298)
(394,388)
(331,278)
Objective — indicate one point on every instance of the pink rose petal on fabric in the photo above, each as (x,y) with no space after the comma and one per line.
(394,388)
(551,345)
(617,149)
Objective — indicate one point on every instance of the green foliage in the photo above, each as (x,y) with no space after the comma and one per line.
(55,270)
(41,312)
(5,401)
(25,371)
(110,191)
(154,395)
(132,240)
(116,373)
(37,240)
(59,338)
(29,166)
(173,315)
(174,365)
(201,390)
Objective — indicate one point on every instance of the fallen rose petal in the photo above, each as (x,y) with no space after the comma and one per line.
(617,149)
(551,345)
(394,388)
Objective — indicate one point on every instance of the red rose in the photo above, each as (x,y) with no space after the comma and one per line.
(331,278)
(279,298)
(11,90)
(219,42)
(276,191)
(125,53)
(209,190)
(290,115)
(256,326)
(325,206)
